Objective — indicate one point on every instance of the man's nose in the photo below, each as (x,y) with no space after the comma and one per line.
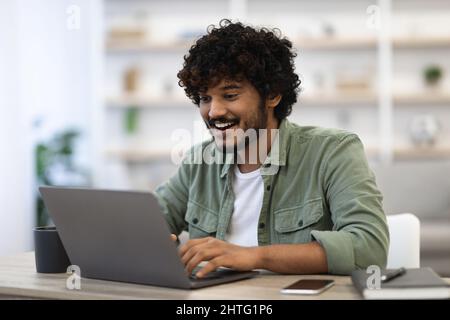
(216,110)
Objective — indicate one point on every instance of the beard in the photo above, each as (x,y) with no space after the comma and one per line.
(244,134)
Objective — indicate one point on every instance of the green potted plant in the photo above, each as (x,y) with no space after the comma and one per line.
(131,119)
(131,82)
(56,155)
(433,75)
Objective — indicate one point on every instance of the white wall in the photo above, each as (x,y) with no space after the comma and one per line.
(15,163)
(46,77)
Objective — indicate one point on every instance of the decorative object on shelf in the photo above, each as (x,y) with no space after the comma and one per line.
(319,80)
(328,30)
(344,119)
(168,87)
(351,81)
(131,87)
(424,130)
(131,30)
(125,34)
(131,80)
(433,75)
(131,119)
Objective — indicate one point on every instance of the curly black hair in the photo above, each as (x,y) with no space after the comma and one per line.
(234,51)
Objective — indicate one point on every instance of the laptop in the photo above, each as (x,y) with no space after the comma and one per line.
(122,236)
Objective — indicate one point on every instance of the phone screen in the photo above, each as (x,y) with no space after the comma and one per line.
(308,286)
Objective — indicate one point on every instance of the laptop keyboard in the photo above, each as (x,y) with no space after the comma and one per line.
(219,273)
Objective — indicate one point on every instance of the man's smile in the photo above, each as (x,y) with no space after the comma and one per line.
(223,124)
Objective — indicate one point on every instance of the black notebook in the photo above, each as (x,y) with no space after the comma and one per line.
(421,283)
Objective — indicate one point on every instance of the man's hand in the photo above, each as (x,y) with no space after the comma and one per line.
(218,253)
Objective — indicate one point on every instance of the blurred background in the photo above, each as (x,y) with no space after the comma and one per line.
(89,96)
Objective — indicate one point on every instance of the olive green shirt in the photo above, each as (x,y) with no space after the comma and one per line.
(317,187)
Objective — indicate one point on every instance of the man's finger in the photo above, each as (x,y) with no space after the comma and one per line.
(210,266)
(205,255)
(191,243)
(199,248)
(173,237)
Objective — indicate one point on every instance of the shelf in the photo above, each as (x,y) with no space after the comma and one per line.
(332,43)
(304,100)
(338,99)
(316,100)
(371,151)
(122,46)
(145,102)
(370,43)
(138,155)
(420,99)
(148,156)
(422,153)
(400,153)
(413,153)
(371,99)
(421,43)
(143,155)
(335,43)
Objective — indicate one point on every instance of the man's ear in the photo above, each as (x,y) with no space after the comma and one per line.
(273,100)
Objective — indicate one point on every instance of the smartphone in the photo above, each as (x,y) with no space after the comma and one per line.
(308,286)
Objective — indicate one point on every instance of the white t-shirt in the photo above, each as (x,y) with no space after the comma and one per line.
(248,190)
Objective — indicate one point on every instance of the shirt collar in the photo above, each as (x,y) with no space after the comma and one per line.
(277,155)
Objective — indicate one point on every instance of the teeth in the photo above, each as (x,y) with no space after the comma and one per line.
(223,125)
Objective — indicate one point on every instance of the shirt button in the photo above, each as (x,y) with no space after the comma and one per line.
(195,220)
(300,223)
(268,188)
(262,225)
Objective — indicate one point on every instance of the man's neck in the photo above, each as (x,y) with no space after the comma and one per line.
(247,165)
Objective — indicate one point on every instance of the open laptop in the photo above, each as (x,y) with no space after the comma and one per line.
(122,236)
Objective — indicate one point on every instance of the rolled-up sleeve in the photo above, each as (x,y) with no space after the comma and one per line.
(360,236)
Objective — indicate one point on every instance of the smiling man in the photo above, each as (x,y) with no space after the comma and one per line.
(306,203)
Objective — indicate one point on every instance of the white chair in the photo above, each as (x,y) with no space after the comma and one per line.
(404,248)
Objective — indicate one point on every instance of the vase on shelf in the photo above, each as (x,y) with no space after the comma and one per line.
(424,130)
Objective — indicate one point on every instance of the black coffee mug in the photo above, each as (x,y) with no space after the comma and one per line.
(50,255)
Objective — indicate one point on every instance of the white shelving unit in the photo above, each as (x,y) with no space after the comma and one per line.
(394,87)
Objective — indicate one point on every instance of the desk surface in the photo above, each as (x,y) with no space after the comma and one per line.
(18,278)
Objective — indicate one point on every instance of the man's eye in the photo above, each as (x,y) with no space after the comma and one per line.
(205,99)
(230,96)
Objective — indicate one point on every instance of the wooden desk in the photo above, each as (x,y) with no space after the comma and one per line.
(18,278)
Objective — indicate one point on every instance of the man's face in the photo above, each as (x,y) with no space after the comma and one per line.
(231,108)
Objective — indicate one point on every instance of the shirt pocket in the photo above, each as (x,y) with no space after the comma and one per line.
(294,225)
(202,222)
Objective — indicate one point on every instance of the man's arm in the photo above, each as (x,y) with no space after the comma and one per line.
(293,258)
(360,236)
(281,258)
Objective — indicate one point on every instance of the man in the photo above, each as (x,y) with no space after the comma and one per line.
(307,203)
